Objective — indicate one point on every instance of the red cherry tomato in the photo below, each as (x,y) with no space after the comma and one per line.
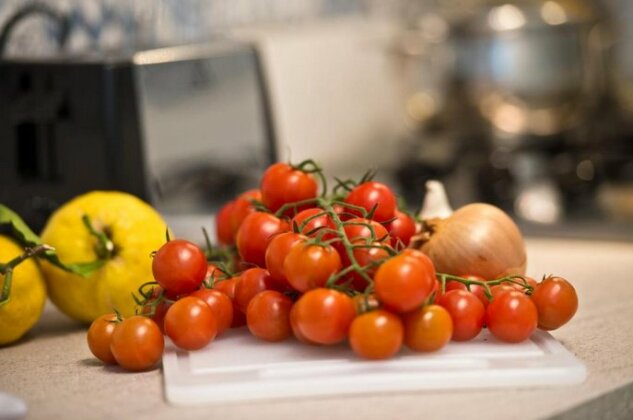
(190,323)
(100,337)
(294,326)
(227,287)
(357,228)
(530,281)
(556,301)
(157,311)
(376,335)
(223,228)
(467,313)
(370,194)
(309,266)
(401,229)
(511,316)
(251,282)
(428,328)
(242,207)
(366,255)
(137,343)
(276,253)
(220,304)
(268,316)
(324,316)
(476,289)
(282,184)
(253,236)
(403,283)
(179,266)
(310,221)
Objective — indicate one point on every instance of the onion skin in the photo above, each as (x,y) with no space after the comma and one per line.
(478,239)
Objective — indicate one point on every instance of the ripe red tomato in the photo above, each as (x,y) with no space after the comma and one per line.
(254,234)
(556,301)
(251,282)
(100,336)
(324,316)
(282,184)
(365,257)
(213,274)
(476,289)
(309,266)
(294,326)
(276,253)
(511,316)
(242,207)
(500,288)
(376,335)
(268,316)
(401,229)
(467,313)
(318,220)
(520,288)
(190,323)
(428,328)
(157,311)
(227,287)
(221,306)
(403,283)
(369,194)
(357,229)
(179,266)
(137,343)
(223,228)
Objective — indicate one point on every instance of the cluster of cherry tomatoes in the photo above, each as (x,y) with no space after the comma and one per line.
(323,269)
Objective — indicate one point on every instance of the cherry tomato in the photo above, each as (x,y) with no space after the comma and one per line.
(100,336)
(428,328)
(369,194)
(500,288)
(251,282)
(157,311)
(556,301)
(530,281)
(318,220)
(309,266)
(324,316)
(242,207)
(403,283)
(467,313)
(294,326)
(179,266)
(190,323)
(137,343)
(511,316)
(401,229)
(254,234)
(376,335)
(223,228)
(357,228)
(268,316)
(282,184)
(365,303)
(276,253)
(221,305)
(476,289)
(227,287)
(213,274)
(368,257)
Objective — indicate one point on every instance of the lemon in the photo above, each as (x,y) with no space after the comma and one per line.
(134,228)
(28,294)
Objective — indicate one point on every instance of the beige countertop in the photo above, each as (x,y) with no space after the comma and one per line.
(54,372)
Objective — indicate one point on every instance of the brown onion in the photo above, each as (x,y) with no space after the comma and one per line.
(478,239)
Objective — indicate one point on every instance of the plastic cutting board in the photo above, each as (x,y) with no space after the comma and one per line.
(238,367)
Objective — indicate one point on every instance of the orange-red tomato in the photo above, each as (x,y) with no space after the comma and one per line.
(401,229)
(376,335)
(324,316)
(366,255)
(137,343)
(242,207)
(311,221)
(251,282)
(276,253)
(370,194)
(294,326)
(511,316)
(403,283)
(220,304)
(179,266)
(253,236)
(223,228)
(190,323)
(467,313)
(428,328)
(309,266)
(268,316)
(227,287)
(282,184)
(100,336)
(157,311)
(556,301)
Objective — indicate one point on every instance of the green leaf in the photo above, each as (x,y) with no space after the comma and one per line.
(27,238)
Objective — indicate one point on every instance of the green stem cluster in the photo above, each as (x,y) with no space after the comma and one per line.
(486,284)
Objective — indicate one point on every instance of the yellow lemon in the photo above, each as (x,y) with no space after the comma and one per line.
(135,230)
(28,294)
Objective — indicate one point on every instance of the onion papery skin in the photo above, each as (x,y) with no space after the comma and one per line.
(478,239)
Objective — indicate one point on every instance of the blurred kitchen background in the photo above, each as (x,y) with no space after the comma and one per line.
(527,104)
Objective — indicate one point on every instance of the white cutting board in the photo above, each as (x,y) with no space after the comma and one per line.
(238,367)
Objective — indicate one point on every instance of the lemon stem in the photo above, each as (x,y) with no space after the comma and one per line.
(7,269)
(105,246)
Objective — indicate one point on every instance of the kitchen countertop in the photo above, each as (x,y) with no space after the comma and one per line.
(54,372)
